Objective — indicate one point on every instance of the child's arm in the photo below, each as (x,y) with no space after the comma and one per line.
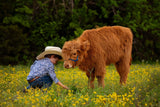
(60,84)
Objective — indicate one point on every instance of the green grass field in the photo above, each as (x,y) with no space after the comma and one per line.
(142,88)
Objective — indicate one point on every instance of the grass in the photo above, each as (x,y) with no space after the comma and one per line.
(142,89)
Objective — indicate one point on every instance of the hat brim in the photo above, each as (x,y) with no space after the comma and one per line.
(42,55)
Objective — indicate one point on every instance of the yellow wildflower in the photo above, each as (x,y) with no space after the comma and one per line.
(55,100)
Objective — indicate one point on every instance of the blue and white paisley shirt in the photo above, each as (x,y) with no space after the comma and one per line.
(42,68)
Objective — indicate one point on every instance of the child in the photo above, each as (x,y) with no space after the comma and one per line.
(42,73)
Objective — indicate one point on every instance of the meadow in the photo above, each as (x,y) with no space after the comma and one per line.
(142,88)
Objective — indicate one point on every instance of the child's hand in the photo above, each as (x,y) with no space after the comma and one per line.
(65,87)
(59,83)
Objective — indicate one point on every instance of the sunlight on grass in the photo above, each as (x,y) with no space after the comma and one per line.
(142,88)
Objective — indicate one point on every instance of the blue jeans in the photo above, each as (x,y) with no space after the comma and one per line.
(45,81)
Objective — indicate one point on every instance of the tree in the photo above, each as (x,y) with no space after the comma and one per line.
(52,22)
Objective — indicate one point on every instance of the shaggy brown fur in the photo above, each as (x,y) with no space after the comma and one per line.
(97,48)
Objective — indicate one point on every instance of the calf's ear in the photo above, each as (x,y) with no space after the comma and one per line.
(85,45)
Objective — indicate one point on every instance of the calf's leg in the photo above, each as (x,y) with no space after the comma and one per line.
(91,78)
(123,67)
(100,81)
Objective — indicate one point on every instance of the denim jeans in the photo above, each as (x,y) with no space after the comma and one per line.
(45,81)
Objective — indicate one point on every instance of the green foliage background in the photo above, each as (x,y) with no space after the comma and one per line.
(27,26)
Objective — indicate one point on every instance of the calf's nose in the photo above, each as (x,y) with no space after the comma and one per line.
(66,66)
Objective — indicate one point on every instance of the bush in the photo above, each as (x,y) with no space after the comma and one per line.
(35,24)
(13,44)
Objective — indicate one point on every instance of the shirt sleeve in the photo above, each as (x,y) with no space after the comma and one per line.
(33,65)
(52,74)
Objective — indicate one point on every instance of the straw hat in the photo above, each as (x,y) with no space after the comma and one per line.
(50,50)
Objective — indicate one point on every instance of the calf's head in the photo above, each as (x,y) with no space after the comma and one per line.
(73,52)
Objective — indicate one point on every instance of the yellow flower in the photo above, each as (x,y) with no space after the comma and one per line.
(8,91)
(145,104)
(36,94)
(55,100)
(73,104)
(94,92)
(17,92)
(26,102)
(13,69)
(86,99)
(61,104)
(83,103)
(45,89)
(33,101)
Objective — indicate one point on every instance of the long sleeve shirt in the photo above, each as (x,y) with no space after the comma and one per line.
(43,67)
